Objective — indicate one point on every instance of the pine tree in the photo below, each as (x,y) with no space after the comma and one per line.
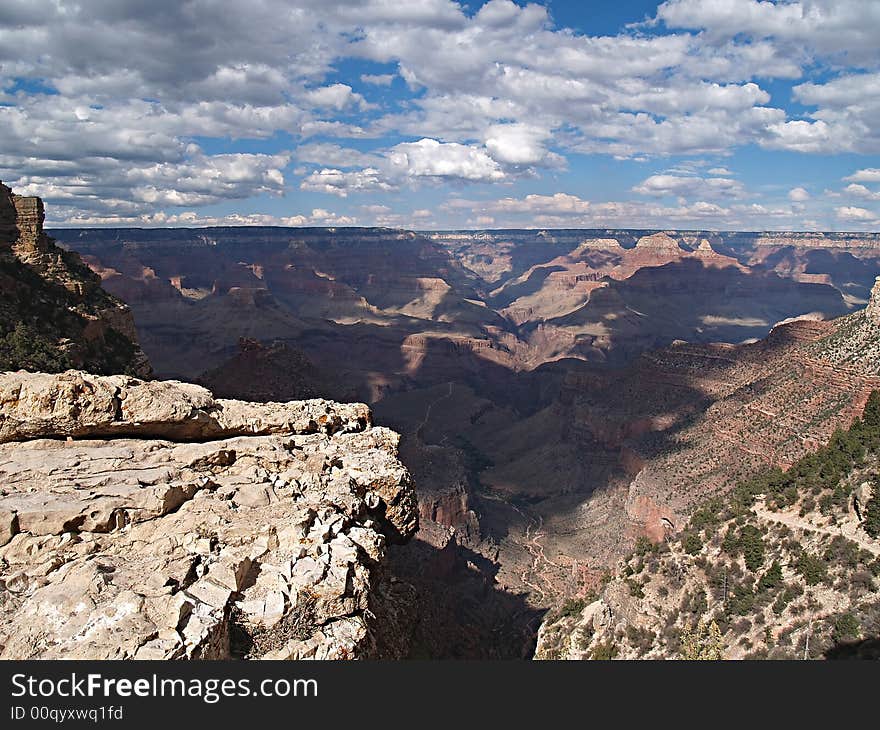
(872,512)
(871,415)
(772,578)
(752,546)
(702,642)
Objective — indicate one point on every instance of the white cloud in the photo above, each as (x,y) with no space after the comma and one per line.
(830,28)
(498,94)
(798,195)
(337,182)
(663,185)
(430,158)
(339,97)
(565,210)
(852,213)
(860,191)
(519,144)
(869,174)
(802,136)
(329,154)
(378,79)
(191,219)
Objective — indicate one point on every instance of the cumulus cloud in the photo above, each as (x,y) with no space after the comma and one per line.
(798,195)
(869,174)
(195,180)
(520,144)
(566,210)
(339,97)
(434,159)
(811,28)
(853,213)
(663,185)
(191,219)
(860,191)
(428,159)
(338,182)
(327,153)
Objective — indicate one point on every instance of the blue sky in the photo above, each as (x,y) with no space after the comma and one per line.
(719,114)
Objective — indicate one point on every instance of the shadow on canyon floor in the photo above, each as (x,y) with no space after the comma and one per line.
(460,613)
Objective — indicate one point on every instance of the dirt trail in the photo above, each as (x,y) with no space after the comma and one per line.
(420,428)
(850,532)
(531,543)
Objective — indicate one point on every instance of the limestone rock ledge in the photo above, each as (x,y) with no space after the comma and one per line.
(146,520)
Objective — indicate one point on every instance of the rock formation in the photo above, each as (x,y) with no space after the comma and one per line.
(148,520)
(53,311)
(873,308)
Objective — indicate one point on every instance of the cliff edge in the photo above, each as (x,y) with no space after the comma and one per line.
(53,312)
(148,520)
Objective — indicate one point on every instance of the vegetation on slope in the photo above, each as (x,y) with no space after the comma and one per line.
(43,324)
(786,566)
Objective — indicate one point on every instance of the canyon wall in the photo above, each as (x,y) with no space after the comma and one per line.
(53,312)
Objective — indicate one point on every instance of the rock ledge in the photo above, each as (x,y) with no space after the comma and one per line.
(148,520)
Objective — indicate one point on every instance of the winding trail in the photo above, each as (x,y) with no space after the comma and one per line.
(532,544)
(420,428)
(797,522)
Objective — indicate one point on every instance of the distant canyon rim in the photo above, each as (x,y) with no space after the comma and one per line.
(559,392)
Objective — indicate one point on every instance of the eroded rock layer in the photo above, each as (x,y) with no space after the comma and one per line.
(262,539)
(53,312)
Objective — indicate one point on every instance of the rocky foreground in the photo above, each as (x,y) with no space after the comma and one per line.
(148,520)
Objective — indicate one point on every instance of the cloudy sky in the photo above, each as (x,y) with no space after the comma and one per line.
(437,114)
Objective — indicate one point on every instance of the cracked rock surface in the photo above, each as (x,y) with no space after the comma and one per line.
(205,529)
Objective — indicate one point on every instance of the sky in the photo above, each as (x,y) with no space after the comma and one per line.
(433,114)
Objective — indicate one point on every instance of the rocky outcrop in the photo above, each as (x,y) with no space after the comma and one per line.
(53,311)
(658,242)
(261,535)
(76,404)
(873,308)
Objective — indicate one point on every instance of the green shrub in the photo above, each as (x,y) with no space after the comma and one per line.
(752,546)
(812,568)
(572,607)
(846,628)
(604,651)
(644,546)
(691,543)
(772,578)
(872,512)
(635,588)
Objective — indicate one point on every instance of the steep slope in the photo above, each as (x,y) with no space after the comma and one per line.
(786,566)
(623,454)
(53,312)
(273,371)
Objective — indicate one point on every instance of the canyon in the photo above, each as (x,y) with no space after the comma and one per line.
(559,394)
